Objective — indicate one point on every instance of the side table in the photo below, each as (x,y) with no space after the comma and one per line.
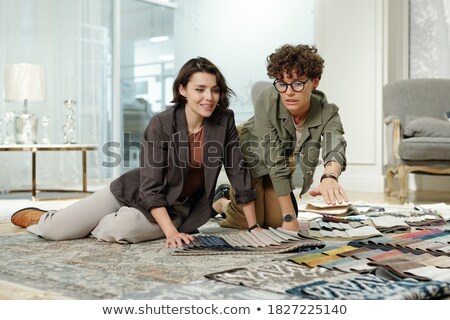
(34,148)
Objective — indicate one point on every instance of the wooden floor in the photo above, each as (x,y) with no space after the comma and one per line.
(416,197)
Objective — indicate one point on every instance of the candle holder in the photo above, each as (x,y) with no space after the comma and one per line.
(26,128)
(44,122)
(9,128)
(70,125)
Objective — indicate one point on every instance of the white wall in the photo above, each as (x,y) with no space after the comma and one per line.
(349,35)
(364,44)
(238,35)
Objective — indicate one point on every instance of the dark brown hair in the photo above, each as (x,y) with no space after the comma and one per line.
(201,64)
(300,59)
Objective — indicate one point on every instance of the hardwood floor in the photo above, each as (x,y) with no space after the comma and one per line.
(416,197)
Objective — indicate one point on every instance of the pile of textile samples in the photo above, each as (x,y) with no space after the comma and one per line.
(348,251)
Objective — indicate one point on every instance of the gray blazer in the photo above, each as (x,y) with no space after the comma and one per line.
(164,166)
(268,140)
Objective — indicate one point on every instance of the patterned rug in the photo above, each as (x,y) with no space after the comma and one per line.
(89,269)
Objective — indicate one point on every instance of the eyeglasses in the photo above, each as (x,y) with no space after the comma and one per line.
(297,86)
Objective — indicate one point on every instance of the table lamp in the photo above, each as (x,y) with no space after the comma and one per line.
(25,83)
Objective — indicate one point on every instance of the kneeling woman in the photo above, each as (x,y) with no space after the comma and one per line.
(170,194)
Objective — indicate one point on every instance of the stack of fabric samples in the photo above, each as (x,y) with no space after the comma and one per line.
(245,242)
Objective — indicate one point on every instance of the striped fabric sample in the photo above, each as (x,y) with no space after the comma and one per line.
(435,241)
(392,263)
(246,242)
(328,230)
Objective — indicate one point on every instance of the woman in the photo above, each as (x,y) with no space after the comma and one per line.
(292,121)
(171,193)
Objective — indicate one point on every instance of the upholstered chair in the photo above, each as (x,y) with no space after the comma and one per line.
(257,88)
(417,130)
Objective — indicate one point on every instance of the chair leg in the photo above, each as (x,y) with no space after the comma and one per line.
(403,172)
(389,181)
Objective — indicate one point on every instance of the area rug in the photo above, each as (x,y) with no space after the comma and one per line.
(206,289)
(89,269)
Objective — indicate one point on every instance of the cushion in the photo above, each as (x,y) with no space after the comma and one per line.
(424,149)
(426,127)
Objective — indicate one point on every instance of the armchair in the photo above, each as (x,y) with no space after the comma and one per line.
(417,132)
(257,88)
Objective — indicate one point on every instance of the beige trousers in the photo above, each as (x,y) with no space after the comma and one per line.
(104,217)
(267,207)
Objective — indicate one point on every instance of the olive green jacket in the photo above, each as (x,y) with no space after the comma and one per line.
(268,139)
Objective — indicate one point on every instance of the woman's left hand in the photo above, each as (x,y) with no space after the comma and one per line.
(176,240)
(331,191)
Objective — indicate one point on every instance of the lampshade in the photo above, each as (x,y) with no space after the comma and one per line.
(25,81)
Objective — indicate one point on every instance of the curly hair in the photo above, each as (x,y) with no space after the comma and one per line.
(201,64)
(300,59)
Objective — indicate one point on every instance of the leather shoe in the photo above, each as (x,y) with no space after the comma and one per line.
(27,217)
(222,191)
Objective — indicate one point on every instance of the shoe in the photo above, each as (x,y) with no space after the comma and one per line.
(27,217)
(222,191)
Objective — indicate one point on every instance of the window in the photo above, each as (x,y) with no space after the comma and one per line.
(147,69)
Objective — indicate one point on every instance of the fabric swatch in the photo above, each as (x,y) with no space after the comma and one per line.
(388,223)
(430,272)
(371,287)
(386,255)
(440,262)
(355,265)
(276,276)
(399,267)
(332,264)
(352,252)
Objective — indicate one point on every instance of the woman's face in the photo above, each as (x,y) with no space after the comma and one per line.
(297,101)
(202,94)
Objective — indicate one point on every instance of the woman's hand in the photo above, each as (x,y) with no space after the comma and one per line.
(176,240)
(331,191)
(257,229)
